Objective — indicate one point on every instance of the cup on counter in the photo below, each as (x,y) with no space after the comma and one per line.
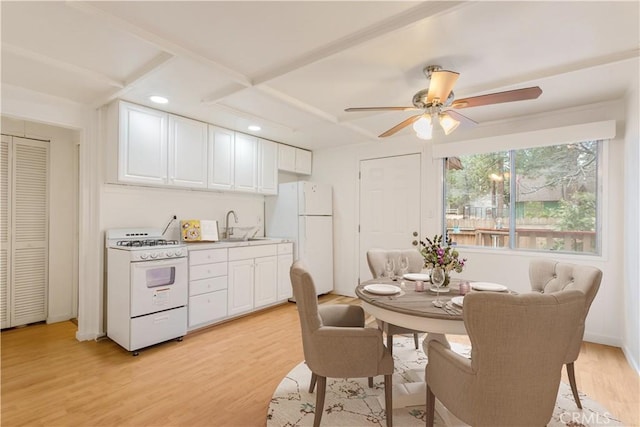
(419,286)
(465,287)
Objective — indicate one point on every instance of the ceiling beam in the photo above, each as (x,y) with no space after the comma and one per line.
(61,65)
(157,41)
(401,20)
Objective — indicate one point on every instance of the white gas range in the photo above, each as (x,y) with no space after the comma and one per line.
(147,288)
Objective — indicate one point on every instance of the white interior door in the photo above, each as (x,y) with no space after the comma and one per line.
(389,205)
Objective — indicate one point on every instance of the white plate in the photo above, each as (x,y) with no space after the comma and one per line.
(486,286)
(381,289)
(457,300)
(416,276)
(443,290)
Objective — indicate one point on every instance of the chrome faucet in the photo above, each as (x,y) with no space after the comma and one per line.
(229,231)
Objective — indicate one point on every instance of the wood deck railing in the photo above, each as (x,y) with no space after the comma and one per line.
(527,238)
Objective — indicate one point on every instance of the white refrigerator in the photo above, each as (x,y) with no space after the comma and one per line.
(302,212)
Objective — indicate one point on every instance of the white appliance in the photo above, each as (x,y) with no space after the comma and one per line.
(302,211)
(147,288)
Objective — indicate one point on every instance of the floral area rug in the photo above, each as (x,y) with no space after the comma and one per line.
(350,402)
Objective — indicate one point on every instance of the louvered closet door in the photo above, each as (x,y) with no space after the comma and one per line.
(4,231)
(28,231)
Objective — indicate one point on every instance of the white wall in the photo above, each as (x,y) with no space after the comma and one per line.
(63,209)
(631,338)
(339,167)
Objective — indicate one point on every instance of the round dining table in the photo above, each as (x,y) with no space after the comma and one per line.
(412,309)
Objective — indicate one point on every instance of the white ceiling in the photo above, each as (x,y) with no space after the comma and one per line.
(293,67)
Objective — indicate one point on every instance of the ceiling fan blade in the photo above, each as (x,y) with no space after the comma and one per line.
(441,85)
(498,97)
(352,109)
(400,126)
(464,120)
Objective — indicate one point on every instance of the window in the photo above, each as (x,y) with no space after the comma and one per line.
(542,198)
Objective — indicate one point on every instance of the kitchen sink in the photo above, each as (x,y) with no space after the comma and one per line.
(240,239)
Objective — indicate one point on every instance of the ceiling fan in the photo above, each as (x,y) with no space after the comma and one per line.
(437,103)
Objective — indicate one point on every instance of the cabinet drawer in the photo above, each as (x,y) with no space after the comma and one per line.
(207,307)
(197,287)
(247,252)
(207,256)
(198,272)
(285,248)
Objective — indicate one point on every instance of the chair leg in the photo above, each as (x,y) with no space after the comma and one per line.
(431,406)
(415,340)
(388,399)
(390,343)
(322,386)
(572,382)
(370,382)
(313,382)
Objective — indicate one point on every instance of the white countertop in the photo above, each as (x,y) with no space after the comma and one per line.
(222,244)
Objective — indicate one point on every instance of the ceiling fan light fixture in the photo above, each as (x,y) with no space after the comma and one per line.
(448,123)
(423,127)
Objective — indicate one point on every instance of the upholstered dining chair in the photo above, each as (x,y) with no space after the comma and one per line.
(518,346)
(376,258)
(548,276)
(336,344)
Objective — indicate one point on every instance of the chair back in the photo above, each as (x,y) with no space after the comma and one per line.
(548,276)
(304,291)
(518,347)
(376,258)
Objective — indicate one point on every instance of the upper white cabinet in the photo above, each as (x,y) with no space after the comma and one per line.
(187,152)
(147,146)
(221,158)
(245,163)
(142,153)
(303,161)
(292,159)
(267,167)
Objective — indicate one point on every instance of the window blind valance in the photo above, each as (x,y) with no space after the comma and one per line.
(555,136)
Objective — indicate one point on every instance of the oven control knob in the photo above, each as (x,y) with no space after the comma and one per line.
(169,253)
(178,252)
(144,255)
(154,254)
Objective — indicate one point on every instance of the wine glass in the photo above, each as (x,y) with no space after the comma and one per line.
(389,267)
(404,267)
(437,277)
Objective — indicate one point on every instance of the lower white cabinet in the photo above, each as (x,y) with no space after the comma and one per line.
(207,286)
(285,259)
(228,282)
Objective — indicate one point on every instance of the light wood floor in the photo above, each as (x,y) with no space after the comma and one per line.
(221,376)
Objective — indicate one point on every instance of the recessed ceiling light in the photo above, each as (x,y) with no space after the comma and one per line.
(254,128)
(158,99)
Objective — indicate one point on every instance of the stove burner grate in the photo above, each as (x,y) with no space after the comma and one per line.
(145,243)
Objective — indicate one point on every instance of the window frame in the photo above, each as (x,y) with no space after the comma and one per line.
(601,157)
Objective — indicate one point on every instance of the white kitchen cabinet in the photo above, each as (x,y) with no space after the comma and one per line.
(207,286)
(267,167)
(245,163)
(286,158)
(240,291)
(293,159)
(285,260)
(253,275)
(265,281)
(187,152)
(142,153)
(303,161)
(221,158)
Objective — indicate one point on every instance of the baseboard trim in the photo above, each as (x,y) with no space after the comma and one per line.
(630,359)
(603,339)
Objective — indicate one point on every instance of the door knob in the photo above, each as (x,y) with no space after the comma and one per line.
(415,234)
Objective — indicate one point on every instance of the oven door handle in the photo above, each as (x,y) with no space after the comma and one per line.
(159,263)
